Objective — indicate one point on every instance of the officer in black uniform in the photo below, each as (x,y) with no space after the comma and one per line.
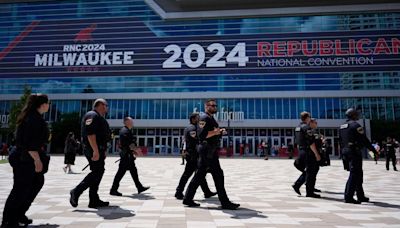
(191,139)
(390,152)
(301,161)
(209,135)
(95,135)
(352,140)
(304,136)
(29,161)
(129,150)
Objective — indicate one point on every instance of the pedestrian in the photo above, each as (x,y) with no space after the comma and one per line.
(209,135)
(96,134)
(70,148)
(305,139)
(182,148)
(29,161)
(128,153)
(301,162)
(352,140)
(390,152)
(192,141)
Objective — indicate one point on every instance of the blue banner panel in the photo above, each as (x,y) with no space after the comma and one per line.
(128,47)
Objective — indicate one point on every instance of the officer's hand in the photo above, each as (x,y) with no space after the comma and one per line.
(38,166)
(96,156)
(137,151)
(318,157)
(223,131)
(217,131)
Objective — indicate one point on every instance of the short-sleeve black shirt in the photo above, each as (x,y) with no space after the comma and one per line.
(207,123)
(94,124)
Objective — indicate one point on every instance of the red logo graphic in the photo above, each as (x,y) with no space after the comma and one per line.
(85,34)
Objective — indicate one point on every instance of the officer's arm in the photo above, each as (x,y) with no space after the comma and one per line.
(311,141)
(93,143)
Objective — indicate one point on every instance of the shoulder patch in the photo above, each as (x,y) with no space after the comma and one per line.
(297,129)
(310,132)
(202,124)
(89,121)
(360,130)
(344,126)
(193,134)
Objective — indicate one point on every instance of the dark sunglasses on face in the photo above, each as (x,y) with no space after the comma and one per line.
(213,105)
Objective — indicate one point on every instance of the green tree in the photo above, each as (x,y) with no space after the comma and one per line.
(70,122)
(16,109)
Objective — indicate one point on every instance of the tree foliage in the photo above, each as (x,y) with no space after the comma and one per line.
(16,109)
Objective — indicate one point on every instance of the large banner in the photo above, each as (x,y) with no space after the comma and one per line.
(126,46)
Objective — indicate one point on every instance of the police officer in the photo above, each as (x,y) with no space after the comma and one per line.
(352,140)
(209,135)
(95,135)
(390,152)
(29,161)
(129,150)
(191,139)
(306,144)
(301,162)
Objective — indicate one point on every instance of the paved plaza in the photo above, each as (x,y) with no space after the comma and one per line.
(263,188)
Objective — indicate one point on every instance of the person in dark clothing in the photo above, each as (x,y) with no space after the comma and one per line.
(129,150)
(209,135)
(182,149)
(70,148)
(390,152)
(305,140)
(191,139)
(95,135)
(300,162)
(29,161)
(352,140)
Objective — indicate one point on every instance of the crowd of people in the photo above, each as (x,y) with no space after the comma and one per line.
(30,160)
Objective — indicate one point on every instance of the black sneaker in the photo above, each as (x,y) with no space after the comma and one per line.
(98,204)
(73,199)
(115,193)
(179,195)
(25,220)
(230,206)
(296,189)
(353,201)
(317,190)
(313,195)
(190,203)
(363,199)
(142,189)
(209,194)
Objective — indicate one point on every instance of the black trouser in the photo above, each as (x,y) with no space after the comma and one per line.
(355,181)
(392,157)
(208,165)
(302,179)
(92,180)
(126,163)
(312,168)
(190,168)
(27,185)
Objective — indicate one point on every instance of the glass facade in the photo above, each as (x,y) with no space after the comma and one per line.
(44,29)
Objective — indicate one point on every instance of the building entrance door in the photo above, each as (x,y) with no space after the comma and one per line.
(249,146)
(237,145)
(275,145)
(176,142)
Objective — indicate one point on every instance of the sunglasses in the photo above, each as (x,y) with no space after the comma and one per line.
(213,105)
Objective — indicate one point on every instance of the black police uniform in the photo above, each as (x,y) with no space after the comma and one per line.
(301,164)
(304,137)
(208,162)
(32,135)
(192,141)
(390,154)
(127,162)
(93,124)
(352,140)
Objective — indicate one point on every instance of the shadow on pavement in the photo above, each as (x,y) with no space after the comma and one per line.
(45,226)
(109,213)
(240,213)
(140,196)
